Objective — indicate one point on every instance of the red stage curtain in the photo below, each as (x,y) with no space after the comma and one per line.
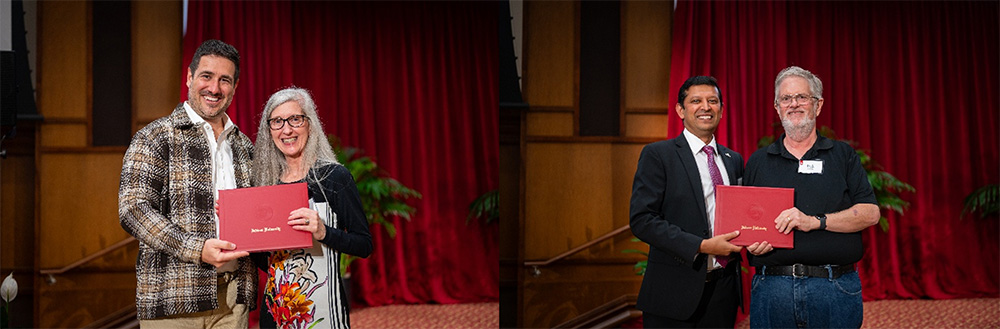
(914,82)
(415,85)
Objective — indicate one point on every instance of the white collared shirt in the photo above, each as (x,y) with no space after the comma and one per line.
(223,174)
(706,179)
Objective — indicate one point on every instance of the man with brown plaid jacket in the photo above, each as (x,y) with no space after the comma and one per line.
(170,179)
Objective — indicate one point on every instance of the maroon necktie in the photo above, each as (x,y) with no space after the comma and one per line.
(713,170)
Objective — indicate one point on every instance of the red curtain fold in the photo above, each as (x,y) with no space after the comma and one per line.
(913,82)
(707,41)
(415,85)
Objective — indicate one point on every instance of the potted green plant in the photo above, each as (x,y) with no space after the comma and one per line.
(640,267)
(486,206)
(984,200)
(381,195)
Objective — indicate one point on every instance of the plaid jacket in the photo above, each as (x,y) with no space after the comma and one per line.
(166,201)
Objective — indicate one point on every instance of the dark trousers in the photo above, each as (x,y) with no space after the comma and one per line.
(717,308)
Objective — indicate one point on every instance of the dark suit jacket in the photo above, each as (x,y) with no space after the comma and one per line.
(667,211)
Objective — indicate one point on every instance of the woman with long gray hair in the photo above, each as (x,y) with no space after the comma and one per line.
(304,286)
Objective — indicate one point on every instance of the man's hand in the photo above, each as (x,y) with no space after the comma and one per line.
(760,248)
(219,252)
(720,245)
(793,218)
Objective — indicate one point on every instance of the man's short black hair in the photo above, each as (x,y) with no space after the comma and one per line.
(217,48)
(698,81)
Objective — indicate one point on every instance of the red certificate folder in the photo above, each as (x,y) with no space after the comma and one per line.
(752,210)
(256,218)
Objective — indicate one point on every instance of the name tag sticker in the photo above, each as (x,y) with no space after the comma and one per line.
(811,166)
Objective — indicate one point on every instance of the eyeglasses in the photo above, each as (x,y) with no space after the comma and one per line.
(295,121)
(801,98)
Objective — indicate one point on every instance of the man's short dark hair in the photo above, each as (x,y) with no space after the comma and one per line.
(217,48)
(698,81)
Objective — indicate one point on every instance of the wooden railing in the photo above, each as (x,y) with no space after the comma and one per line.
(123,318)
(610,315)
(53,271)
(536,264)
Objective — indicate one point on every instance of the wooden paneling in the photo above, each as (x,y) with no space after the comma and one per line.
(578,188)
(78,299)
(64,135)
(562,292)
(17,220)
(64,59)
(647,125)
(79,205)
(574,193)
(511,132)
(509,190)
(646,58)
(77,183)
(156,57)
(549,124)
(17,208)
(550,53)
(624,160)
(566,197)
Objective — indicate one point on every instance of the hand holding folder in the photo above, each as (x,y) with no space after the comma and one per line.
(752,210)
(256,218)
(219,252)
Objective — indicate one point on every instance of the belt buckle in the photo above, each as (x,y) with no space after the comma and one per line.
(798,271)
(225,276)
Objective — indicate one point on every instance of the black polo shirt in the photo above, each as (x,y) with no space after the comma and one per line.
(842,184)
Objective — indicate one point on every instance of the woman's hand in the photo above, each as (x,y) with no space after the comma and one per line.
(305,219)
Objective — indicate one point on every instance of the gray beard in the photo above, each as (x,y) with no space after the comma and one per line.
(799,132)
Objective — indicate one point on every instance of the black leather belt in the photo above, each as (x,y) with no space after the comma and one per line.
(716,274)
(799,270)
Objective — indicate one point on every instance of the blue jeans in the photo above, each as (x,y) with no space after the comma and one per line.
(779,301)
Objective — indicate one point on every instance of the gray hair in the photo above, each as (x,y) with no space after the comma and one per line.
(815,86)
(269,163)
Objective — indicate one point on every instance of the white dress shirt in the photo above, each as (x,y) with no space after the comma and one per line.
(706,180)
(223,174)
